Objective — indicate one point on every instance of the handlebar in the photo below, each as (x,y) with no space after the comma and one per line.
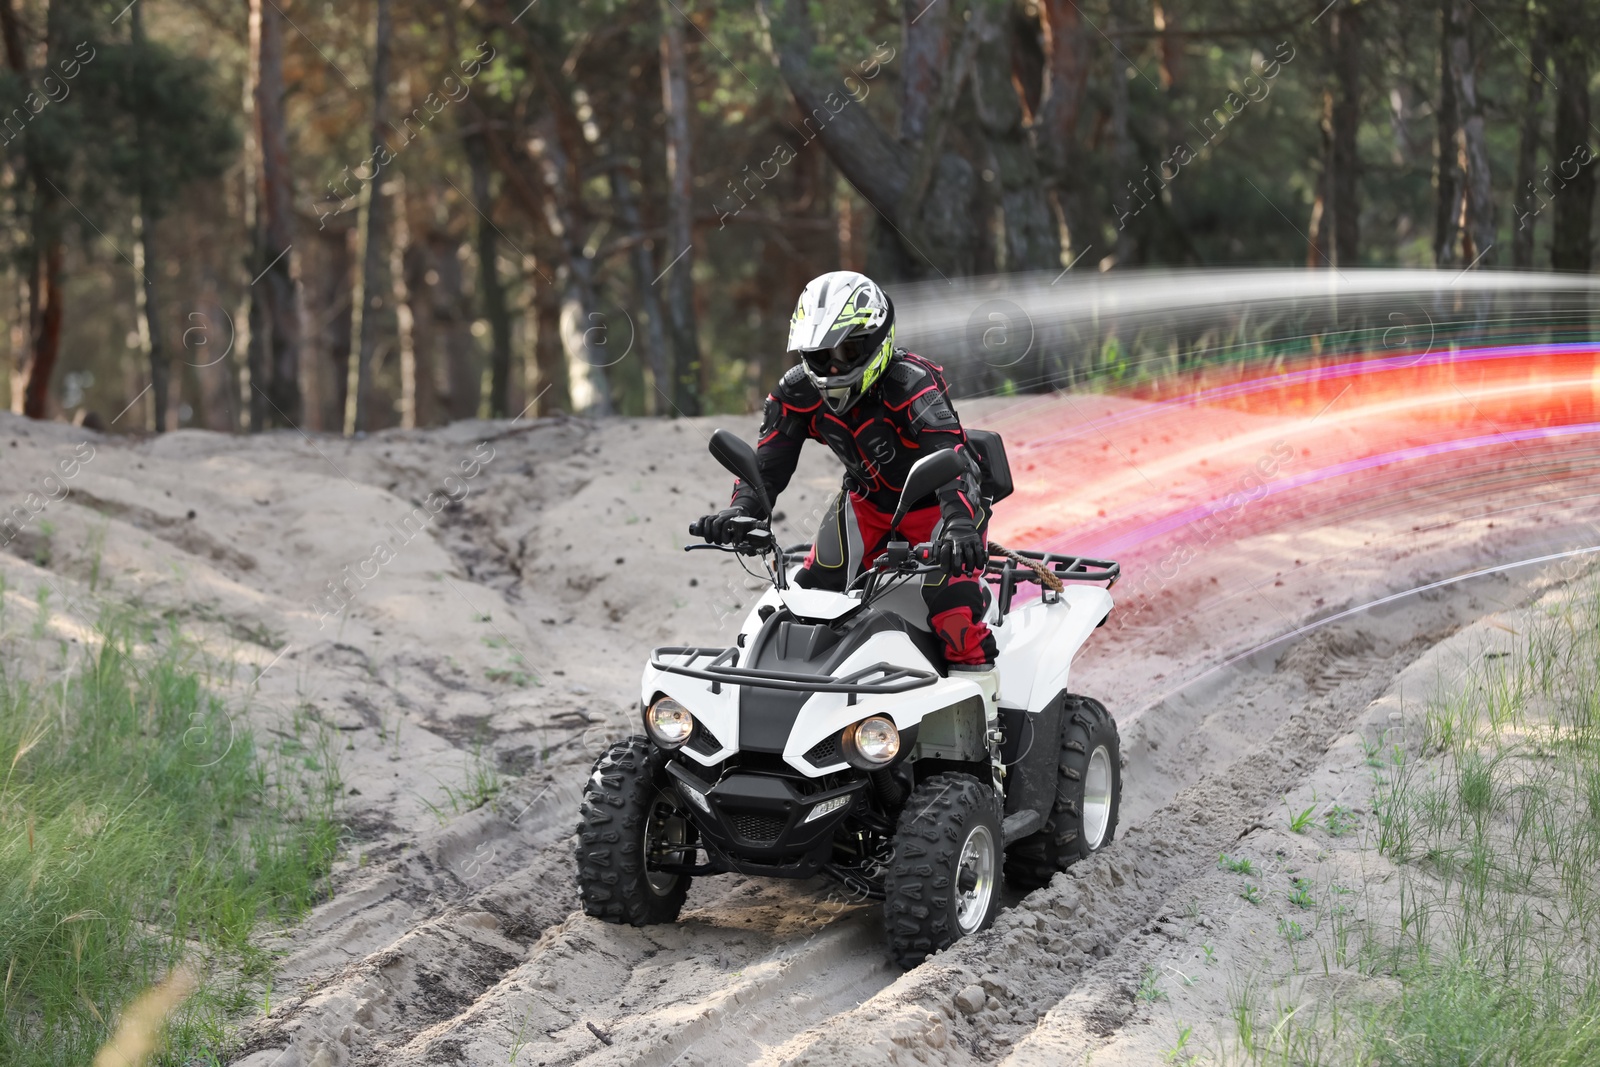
(746,536)
(902,558)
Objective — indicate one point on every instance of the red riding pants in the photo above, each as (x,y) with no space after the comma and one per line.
(854,534)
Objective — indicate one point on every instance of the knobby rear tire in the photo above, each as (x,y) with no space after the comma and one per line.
(1069,831)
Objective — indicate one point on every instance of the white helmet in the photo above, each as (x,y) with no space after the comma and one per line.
(843,328)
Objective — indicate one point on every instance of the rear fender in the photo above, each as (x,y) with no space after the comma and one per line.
(1038,641)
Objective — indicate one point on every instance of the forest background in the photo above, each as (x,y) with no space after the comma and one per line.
(342,217)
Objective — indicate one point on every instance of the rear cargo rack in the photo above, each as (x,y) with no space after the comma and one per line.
(1067,568)
(718,669)
(1010,573)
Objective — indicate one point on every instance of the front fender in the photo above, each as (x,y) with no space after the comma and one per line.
(717,712)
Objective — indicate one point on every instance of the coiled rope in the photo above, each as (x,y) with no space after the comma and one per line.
(1047,577)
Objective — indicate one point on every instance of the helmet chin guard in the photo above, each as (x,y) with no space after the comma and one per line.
(843,328)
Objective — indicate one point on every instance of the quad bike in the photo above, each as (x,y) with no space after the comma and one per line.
(830,738)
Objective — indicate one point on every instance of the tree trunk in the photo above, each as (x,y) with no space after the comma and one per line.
(424,330)
(494,294)
(335,316)
(45,252)
(272,264)
(1320,229)
(1447,166)
(374,227)
(214,374)
(1571,248)
(682,332)
(1528,202)
(1345,162)
(587,385)
(941,198)
(924,59)
(942,237)
(1479,217)
(1122,147)
(1031,239)
(1066,84)
(11,32)
(411,315)
(46,313)
(657,351)
(147,258)
(548,355)
(452,309)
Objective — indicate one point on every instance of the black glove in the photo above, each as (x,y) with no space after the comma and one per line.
(959,549)
(719,529)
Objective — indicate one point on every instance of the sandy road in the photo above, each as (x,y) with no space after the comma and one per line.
(771,972)
(511,633)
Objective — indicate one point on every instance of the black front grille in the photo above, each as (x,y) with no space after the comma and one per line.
(704,741)
(825,752)
(757,827)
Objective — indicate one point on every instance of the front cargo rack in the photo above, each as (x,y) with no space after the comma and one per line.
(718,669)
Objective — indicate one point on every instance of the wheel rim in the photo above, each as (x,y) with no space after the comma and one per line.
(664,829)
(1097,797)
(977,861)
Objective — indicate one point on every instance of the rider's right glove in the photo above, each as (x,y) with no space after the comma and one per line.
(960,550)
(718,529)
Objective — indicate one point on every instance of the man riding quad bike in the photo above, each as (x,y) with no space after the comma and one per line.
(884,716)
(880,408)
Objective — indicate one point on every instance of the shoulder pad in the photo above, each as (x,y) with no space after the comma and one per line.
(796,390)
(903,380)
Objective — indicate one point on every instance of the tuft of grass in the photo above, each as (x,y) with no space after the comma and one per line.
(1251,893)
(1300,822)
(1340,820)
(1300,894)
(141,829)
(1236,864)
(1150,989)
(1171,1055)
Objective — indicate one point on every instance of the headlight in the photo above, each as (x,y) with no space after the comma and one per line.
(669,722)
(877,740)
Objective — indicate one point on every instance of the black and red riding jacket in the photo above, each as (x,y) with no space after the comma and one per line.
(904,416)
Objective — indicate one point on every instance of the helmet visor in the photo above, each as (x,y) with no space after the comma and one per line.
(848,355)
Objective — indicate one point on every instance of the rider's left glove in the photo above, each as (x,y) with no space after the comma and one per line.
(960,550)
(719,529)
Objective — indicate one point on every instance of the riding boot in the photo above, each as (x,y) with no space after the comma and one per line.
(988,680)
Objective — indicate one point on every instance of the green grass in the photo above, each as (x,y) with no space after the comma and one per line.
(1300,822)
(1236,864)
(140,826)
(1150,989)
(1340,820)
(1491,816)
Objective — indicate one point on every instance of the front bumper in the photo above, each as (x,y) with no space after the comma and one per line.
(757,822)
